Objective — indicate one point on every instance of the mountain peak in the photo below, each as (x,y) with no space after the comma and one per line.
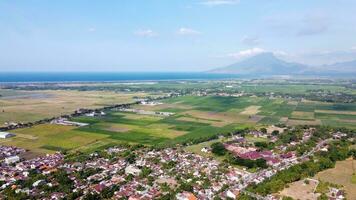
(265,55)
(262,64)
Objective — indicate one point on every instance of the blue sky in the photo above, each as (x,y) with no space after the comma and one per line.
(171,35)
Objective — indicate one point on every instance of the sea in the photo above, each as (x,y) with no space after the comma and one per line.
(23,77)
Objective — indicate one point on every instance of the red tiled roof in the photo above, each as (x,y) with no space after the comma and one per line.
(252,155)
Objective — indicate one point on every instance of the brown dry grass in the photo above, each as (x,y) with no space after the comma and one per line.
(294,122)
(341,175)
(272,128)
(207,121)
(336,112)
(56,103)
(303,115)
(164,106)
(300,190)
(251,110)
(121,128)
(226,118)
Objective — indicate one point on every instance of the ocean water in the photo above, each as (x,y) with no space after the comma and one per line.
(7,77)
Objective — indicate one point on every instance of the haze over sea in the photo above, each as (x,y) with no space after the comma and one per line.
(7,77)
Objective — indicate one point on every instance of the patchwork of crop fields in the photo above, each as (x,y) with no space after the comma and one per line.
(29,106)
(195,117)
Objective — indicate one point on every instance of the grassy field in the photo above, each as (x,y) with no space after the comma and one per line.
(342,174)
(250,110)
(197,149)
(26,106)
(194,118)
(49,138)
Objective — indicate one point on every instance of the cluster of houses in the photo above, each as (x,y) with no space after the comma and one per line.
(336,194)
(20,170)
(148,173)
(150,103)
(95,114)
(167,168)
(10,154)
(238,148)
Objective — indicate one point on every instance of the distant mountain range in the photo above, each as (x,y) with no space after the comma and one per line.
(268,64)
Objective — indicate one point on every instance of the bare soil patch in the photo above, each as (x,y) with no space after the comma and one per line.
(302,191)
(341,174)
(336,112)
(293,122)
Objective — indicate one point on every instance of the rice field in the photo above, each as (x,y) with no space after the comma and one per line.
(29,106)
(194,118)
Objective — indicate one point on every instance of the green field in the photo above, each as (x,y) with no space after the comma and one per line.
(195,118)
(274,111)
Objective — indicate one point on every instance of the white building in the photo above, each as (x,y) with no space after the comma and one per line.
(132,170)
(38,183)
(12,159)
(5,135)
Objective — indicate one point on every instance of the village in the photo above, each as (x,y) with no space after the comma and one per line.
(138,172)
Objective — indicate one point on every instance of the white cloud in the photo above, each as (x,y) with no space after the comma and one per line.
(145,33)
(188,31)
(353,48)
(246,53)
(219,2)
(251,40)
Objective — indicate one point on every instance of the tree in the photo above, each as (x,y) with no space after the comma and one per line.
(261,145)
(218,149)
(130,158)
(275,132)
(263,130)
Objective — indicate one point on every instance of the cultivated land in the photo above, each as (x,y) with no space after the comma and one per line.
(342,174)
(195,118)
(262,110)
(29,106)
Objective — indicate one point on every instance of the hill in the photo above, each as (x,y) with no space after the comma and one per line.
(262,64)
(348,66)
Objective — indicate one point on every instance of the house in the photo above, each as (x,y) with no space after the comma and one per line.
(12,159)
(205,150)
(336,194)
(252,155)
(132,170)
(4,135)
(38,183)
(94,114)
(232,194)
(288,155)
(338,135)
(186,196)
